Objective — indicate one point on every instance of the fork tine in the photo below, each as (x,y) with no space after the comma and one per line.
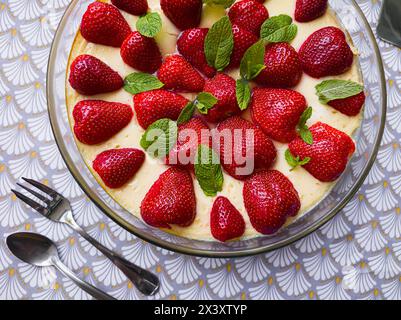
(42,187)
(36,194)
(33,204)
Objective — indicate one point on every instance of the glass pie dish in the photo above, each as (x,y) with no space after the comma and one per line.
(367,137)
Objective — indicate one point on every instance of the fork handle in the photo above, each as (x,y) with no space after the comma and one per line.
(145,281)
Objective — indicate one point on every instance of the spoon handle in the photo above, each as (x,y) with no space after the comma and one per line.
(93,291)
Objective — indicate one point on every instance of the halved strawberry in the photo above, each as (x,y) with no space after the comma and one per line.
(326,53)
(329,153)
(248,15)
(102,23)
(191,44)
(184,14)
(96,121)
(308,10)
(135,7)
(170,201)
(243,39)
(278,112)
(351,106)
(226,222)
(141,53)
(177,74)
(90,76)
(270,198)
(283,67)
(222,87)
(245,144)
(117,166)
(151,106)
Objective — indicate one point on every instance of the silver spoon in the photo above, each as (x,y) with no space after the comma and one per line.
(40,251)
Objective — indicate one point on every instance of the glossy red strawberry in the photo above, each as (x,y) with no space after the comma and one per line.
(184,14)
(177,74)
(96,121)
(103,23)
(117,166)
(89,76)
(326,53)
(251,148)
(308,10)
(151,106)
(283,67)
(270,198)
(190,135)
(226,222)
(223,88)
(248,15)
(278,112)
(329,153)
(191,45)
(351,106)
(170,201)
(243,39)
(141,53)
(135,7)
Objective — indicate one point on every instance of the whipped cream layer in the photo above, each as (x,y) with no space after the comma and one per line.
(311,191)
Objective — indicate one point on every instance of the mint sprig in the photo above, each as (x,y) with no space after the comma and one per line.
(225,3)
(295,162)
(208,171)
(278,29)
(160,137)
(219,44)
(149,25)
(203,102)
(138,82)
(303,129)
(330,90)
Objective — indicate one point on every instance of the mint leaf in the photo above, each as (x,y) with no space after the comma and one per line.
(295,162)
(208,171)
(138,82)
(219,44)
(252,62)
(329,90)
(303,129)
(149,25)
(243,93)
(186,113)
(205,101)
(225,3)
(160,137)
(279,29)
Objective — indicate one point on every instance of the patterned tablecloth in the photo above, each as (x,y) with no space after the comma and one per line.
(357,255)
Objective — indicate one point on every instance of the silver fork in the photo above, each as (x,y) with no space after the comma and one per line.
(58,209)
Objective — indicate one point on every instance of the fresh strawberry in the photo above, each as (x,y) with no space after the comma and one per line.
(117,166)
(329,152)
(351,106)
(184,14)
(89,76)
(270,198)
(326,53)
(283,68)
(248,15)
(97,121)
(190,135)
(256,147)
(308,10)
(191,45)
(177,74)
(226,222)
(278,112)
(171,200)
(151,106)
(141,53)
(103,23)
(243,39)
(223,88)
(135,7)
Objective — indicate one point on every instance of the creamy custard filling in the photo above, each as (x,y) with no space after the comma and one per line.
(311,191)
